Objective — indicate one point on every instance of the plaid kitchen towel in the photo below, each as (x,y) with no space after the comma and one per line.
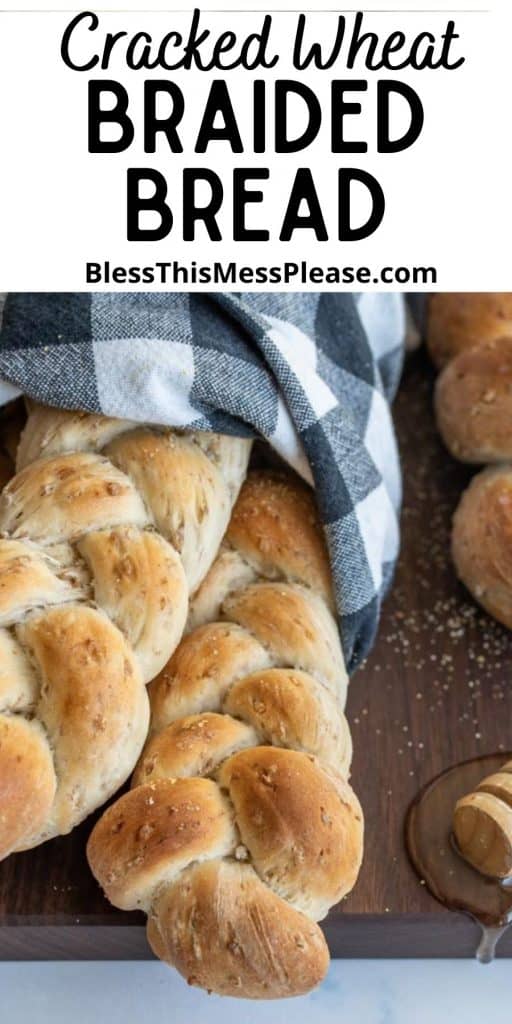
(312,373)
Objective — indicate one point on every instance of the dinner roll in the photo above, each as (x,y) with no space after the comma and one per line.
(460,320)
(473,403)
(482,540)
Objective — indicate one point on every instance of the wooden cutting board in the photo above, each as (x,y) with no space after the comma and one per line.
(435,691)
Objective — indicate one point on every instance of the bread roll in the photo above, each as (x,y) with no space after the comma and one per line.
(460,320)
(241,830)
(473,403)
(482,540)
(107,528)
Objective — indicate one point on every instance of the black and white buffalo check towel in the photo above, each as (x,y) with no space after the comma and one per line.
(311,373)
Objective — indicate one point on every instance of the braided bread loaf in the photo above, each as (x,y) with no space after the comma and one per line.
(106,529)
(241,831)
(473,404)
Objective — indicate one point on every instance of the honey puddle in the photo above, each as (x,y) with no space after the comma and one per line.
(451,879)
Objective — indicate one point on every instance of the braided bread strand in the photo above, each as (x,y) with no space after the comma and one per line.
(241,831)
(107,528)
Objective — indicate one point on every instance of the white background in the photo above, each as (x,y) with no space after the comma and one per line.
(355,992)
(448,197)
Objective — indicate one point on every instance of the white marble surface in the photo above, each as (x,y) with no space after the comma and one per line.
(355,992)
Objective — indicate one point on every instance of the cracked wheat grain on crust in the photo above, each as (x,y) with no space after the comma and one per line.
(473,403)
(106,529)
(241,830)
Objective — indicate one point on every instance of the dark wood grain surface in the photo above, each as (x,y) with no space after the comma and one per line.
(435,691)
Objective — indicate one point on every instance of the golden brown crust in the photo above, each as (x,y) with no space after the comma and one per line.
(461,320)
(275,527)
(92,705)
(28,581)
(274,533)
(270,672)
(229,572)
(193,515)
(60,499)
(201,671)
(139,581)
(299,631)
(303,833)
(225,931)
(195,745)
(27,782)
(473,403)
(288,708)
(52,432)
(19,687)
(89,519)
(284,707)
(151,833)
(482,541)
